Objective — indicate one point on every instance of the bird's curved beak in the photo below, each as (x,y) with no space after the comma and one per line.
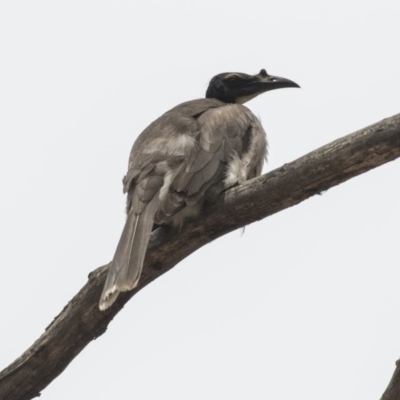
(266,82)
(260,83)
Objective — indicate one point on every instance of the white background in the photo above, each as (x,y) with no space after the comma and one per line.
(306,304)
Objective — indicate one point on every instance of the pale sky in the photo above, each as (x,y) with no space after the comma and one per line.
(305,305)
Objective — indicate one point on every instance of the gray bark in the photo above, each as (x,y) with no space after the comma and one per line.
(80,321)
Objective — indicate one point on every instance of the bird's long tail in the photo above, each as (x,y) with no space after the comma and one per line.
(126,267)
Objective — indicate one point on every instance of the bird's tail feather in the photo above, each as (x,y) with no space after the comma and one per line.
(126,267)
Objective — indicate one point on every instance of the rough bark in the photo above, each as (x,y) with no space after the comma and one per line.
(392,392)
(80,321)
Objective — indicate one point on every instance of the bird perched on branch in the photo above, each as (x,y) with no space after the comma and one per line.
(190,154)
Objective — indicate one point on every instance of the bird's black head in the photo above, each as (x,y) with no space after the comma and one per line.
(235,87)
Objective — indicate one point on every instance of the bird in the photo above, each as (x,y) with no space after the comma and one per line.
(187,157)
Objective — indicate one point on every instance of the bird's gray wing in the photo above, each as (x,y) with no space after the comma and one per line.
(156,157)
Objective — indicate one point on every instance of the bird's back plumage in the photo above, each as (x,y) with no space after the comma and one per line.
(188,155)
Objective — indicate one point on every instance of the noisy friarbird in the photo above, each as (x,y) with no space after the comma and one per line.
(188,155)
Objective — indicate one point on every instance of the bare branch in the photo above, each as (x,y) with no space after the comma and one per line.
(392,392)
(81,321)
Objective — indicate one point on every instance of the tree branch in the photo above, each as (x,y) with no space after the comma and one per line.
(392,392)
(80,321)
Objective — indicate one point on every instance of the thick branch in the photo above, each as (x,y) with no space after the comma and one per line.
(392,392)
(81,321)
